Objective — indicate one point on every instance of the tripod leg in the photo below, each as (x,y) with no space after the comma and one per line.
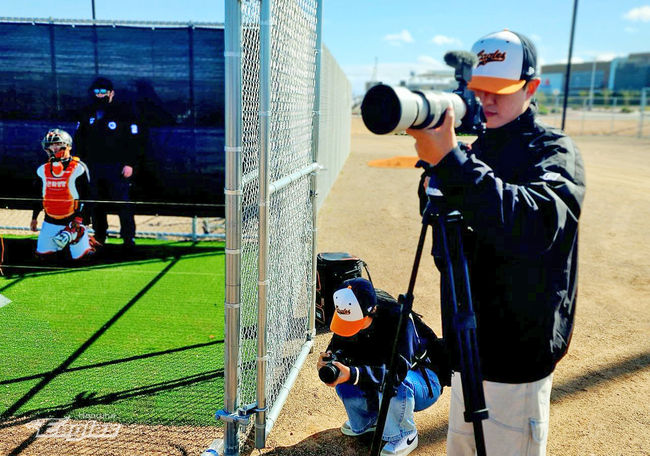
(463,323)
(388,388)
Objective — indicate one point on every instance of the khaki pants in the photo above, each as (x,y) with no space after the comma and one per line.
(518,421)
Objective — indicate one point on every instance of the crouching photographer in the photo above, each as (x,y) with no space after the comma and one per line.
(357,359)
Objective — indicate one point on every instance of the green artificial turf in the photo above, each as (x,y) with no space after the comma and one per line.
(135,340)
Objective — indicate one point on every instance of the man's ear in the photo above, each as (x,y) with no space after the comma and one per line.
(531,87)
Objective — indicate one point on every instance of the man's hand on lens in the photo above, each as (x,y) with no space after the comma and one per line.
(344,374)
(432,144)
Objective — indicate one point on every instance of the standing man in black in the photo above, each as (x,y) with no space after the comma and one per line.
(109,141)
(520,188)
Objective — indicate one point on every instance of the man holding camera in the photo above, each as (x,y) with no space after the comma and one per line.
(520,188)
(356,363)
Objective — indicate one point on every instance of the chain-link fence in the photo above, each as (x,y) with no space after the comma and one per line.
(335,105)
(274,117)
(616,115)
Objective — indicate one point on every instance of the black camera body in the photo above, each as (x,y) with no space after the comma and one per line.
(388,109)
(329,372)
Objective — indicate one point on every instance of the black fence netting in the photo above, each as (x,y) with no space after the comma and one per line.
(170,78)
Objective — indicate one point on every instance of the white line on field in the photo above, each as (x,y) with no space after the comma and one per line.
(4,300)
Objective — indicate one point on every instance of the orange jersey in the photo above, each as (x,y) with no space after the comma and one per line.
(60,194)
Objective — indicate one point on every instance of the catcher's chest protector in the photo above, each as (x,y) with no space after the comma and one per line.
(59,193)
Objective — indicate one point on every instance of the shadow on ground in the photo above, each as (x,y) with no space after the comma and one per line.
(20,259)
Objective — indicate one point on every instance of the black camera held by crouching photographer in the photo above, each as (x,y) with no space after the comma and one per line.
(387,109)
(329,372)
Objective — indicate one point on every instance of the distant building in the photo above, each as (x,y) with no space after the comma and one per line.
(622,73)
(634,72)
(431,80)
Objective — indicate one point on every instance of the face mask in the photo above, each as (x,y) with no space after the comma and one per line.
(102,101)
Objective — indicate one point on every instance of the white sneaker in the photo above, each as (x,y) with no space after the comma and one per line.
(401,447)
(347,430)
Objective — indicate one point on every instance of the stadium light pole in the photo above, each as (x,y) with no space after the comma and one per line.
(568,64)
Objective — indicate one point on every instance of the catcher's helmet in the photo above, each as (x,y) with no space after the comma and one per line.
(53,137)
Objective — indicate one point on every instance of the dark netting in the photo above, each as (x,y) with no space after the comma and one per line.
(119,352)
(171,78)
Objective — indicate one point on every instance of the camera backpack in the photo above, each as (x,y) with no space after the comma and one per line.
(332,269)
(437,356)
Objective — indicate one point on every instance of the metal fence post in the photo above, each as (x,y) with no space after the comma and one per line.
(584,115)
(642,110)
(314,177)
(233,195)
(263,240)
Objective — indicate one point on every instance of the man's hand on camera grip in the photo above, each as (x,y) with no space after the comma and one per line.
(321,359)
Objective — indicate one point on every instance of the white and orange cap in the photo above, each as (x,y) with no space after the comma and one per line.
(352,304)
(506,61)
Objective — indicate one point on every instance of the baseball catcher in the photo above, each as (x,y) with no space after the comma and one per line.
(64,181)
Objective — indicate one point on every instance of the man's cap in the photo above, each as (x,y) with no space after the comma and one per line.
(352,304)
(506,61)
(102,83)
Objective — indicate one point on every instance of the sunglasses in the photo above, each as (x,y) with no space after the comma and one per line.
(101,91)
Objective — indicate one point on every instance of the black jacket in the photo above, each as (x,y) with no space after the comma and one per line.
(108,134)
(367,353)
(520,189)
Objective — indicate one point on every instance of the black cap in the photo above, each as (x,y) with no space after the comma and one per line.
(102,83)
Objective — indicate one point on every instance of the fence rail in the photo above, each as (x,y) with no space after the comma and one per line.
(599,115)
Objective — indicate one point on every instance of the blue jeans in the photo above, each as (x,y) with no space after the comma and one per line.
(362,406)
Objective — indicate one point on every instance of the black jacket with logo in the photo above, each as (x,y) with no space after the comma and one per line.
(368,352)
(520,190)
(108,134)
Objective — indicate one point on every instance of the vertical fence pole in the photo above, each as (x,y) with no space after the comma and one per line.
(314,154)
(233,193)
(613,114)
(55,79)
(642,110)
(263,279)
(190,64)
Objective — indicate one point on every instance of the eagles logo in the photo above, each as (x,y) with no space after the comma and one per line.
(495,56)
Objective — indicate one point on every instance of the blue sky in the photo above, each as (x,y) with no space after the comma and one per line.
(408,35)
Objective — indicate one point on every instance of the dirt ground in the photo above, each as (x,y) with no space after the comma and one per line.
(601,391)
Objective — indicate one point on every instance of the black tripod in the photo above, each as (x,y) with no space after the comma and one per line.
(458,319)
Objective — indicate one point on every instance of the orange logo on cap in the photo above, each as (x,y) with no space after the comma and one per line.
(495,56)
